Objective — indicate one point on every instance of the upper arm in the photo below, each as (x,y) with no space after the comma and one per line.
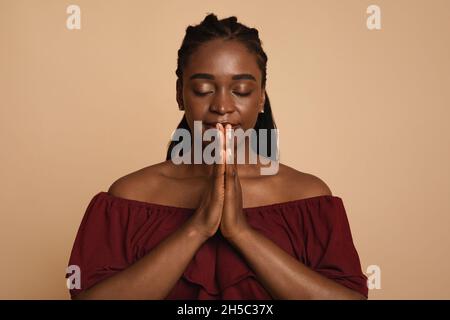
(122,187)
(129,187)
(316,186)
(304,185)
(137,185)
(301,185)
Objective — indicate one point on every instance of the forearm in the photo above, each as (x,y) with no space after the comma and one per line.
(283,276)
(154,275)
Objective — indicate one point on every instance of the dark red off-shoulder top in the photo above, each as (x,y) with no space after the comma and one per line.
(115,232)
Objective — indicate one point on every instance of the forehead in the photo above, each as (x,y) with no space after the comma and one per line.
(221,58)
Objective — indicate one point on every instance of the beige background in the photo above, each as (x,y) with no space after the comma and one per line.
(366,111)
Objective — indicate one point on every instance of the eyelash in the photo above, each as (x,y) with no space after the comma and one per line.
(202,94)
(243,94)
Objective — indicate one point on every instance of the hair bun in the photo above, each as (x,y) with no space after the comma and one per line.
(233,19)
(210,18)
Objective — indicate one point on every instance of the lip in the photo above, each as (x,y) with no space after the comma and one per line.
(213,125)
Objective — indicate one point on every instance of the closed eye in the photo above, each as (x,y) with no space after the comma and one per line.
(244,94)
(201,94)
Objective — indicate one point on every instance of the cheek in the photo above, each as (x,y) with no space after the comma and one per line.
(195,110)
(249,116)
(194,113)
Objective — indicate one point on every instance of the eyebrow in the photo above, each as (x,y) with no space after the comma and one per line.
(242,76)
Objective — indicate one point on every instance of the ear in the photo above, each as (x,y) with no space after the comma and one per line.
(262,99)
(179,90)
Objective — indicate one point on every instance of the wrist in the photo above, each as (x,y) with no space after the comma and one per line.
(195,231)
(239,236)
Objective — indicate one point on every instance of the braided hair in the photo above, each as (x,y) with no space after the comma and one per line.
(227,29)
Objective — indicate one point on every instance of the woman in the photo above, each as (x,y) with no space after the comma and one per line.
(222,230)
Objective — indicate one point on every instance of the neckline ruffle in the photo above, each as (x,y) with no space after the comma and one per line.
(248,209)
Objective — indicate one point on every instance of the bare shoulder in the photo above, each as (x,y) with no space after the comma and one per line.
(137,184)
(299,185)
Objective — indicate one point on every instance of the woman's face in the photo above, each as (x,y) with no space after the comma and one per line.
(221,83)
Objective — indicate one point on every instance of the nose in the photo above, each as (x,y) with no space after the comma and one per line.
(222,103)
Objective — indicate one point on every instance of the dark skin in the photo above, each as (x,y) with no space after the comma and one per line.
(218,192)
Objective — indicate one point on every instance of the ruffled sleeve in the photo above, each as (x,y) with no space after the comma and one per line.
(101,247)
(329,247)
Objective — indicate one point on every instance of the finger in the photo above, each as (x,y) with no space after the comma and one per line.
(230,169)
(219,168)
(237,181)
(235,174)
(230,182)
(222,149)
(223,145)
